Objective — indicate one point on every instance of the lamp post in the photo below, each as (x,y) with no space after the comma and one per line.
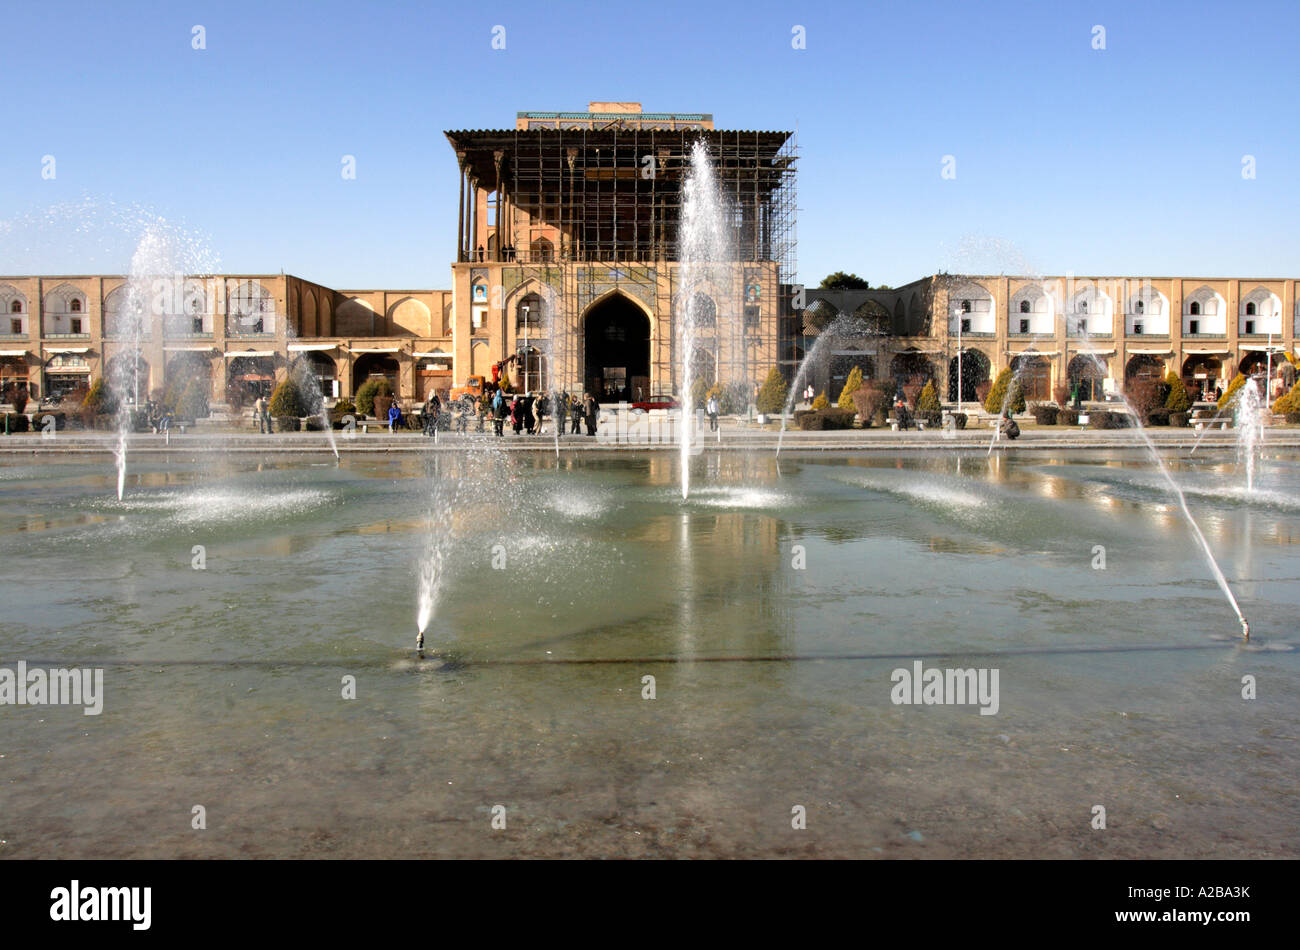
(525,349)
(958,313)
(1268,374)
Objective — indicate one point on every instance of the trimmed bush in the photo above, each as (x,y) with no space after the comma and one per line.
(1231,392)
(16,422)
(1179,419)
(1158,417)
(821,402)
(367,393)
(1045,413)
(1144,395)
(1293,418)
(287,423)
(344,406)
(287,401)
(867,401)
(997,396)
(826,419)
(933,418)
(1290,402)
(1104,419)
(958,419)
(1177,400)
(851,385)
(1067,417)
(771,397)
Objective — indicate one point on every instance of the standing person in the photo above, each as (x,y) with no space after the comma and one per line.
(484,408)
(540,410)
(528,410)
(499,412)
(432,409)
(711,407)
(516,415)
(576,412)
(809,394)
(592,413)
(264,413)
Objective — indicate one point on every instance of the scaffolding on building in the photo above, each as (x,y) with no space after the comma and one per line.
(583,210)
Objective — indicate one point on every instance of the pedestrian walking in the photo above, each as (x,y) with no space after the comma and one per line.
(711,407)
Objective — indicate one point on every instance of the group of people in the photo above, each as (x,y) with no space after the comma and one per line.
(524,412)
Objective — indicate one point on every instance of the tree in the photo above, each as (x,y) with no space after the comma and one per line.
(369,390)
(1177,401)
(929,400)
(997,396)
(100,400)
(287,400)
(193,402)
(771,397)
(821,402)
(851,385)
(842,281)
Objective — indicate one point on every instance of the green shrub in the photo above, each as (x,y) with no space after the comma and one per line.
(1178,400)
(771,397)
(287,401)
(344,406)
(1231,392)
(821,402)
(851,385)
(1045,413)
(100,399)
(369,390)
(928,401)
(997,396)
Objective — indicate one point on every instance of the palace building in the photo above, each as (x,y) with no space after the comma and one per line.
(568,229)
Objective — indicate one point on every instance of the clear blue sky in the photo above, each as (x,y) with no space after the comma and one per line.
(1123,161)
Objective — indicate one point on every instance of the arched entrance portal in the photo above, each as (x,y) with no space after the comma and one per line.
(974,370)
(1144,366)
(617,350)
(1035,376)
(374,366)
(1201,373)
(1087,375)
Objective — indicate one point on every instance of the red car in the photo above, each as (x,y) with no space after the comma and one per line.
(655,402)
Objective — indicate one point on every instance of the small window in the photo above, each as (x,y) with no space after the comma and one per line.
(965,306)
(1195,309)
(198,324)
(15,326)
(1250,309)
(1193,327)
(1250,326)
(1082,328)
(76,307)
(76,325)
(1024,326)
(1141,307)
(1083,306)
(1137,329)
(1024,307)
(16,307)
(965,325)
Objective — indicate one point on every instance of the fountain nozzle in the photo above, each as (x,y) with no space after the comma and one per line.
(419,643)
(1245,629)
